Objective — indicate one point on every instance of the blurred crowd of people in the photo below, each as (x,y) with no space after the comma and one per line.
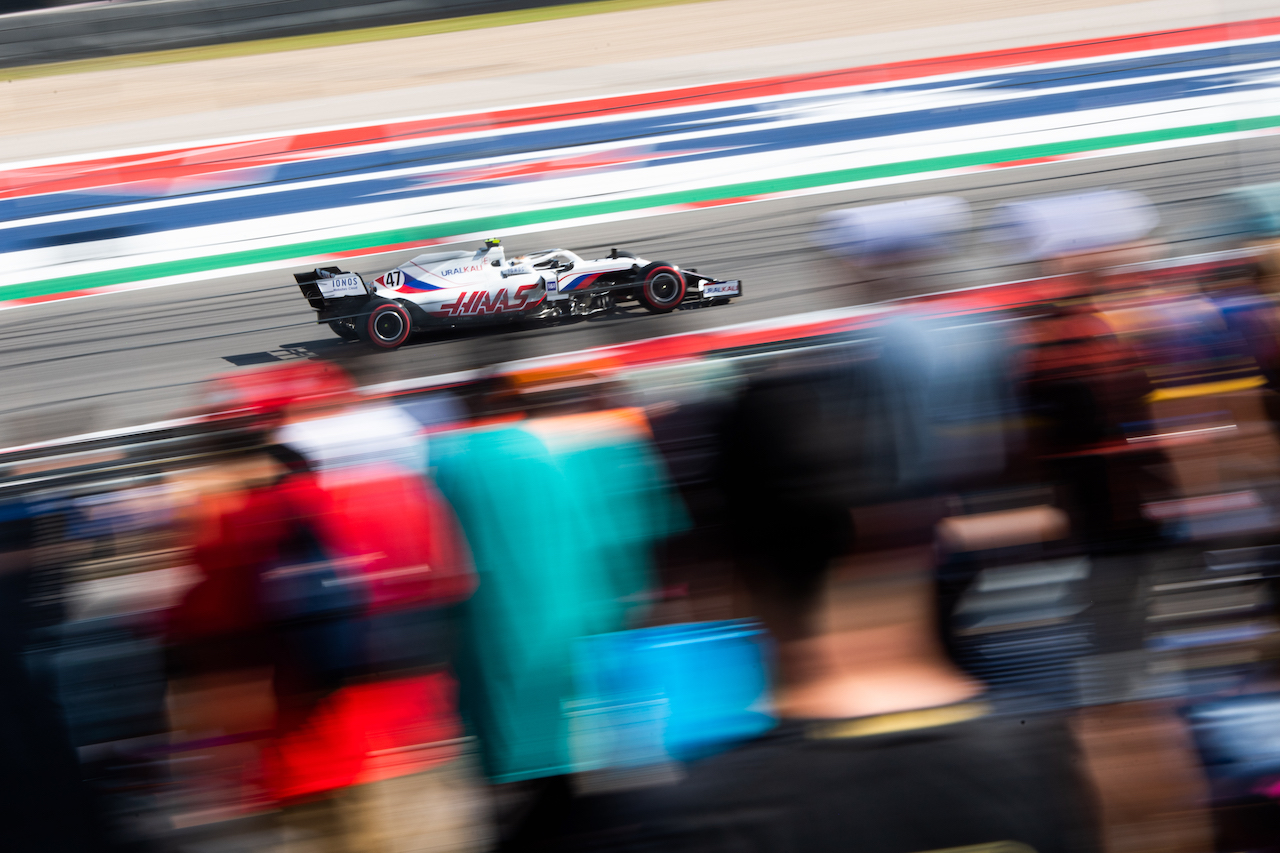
(969,577)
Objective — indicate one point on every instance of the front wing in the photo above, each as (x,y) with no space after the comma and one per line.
(704,289)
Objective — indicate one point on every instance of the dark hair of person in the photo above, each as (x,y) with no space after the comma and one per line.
(787,466)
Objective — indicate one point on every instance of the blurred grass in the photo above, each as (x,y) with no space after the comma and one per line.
(276,45)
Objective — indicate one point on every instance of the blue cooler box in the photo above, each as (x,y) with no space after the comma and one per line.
(670,692)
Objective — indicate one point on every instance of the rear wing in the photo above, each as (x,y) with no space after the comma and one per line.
(328,283)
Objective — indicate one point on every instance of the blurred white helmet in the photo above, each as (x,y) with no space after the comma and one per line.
(915,229)
(1056,225)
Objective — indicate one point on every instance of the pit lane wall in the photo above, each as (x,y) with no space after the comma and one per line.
(88,31)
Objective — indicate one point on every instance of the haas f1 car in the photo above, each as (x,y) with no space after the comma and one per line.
(452,288)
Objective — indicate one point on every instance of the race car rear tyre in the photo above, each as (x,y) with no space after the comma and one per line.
(344,329)
(384,325)
(663,289)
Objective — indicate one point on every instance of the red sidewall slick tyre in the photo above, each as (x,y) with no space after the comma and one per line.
(663,289)
(385,325)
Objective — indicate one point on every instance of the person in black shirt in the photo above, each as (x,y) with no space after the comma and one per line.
(884,745)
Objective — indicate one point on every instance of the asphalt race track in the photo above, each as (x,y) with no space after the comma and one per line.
(128,358)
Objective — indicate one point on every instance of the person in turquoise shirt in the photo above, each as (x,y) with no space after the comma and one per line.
(561,515)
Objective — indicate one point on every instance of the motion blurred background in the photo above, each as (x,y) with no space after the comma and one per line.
(990,435)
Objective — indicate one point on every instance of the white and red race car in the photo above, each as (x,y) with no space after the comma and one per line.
(444,289)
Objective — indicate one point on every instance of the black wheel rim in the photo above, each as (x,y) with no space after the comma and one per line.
(388,325)
(664,287)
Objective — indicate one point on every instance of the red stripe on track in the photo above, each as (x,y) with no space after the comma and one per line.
(50,297)
(189,162)
(1031,161)
(720,202)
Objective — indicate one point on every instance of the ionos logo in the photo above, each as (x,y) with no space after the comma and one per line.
(486,302)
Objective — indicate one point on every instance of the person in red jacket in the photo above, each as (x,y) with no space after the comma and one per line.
(309,575)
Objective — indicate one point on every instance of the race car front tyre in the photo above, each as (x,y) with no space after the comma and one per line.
(344,329)
(384,325)
(663,289)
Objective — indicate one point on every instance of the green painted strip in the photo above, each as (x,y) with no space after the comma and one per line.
(496,224)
